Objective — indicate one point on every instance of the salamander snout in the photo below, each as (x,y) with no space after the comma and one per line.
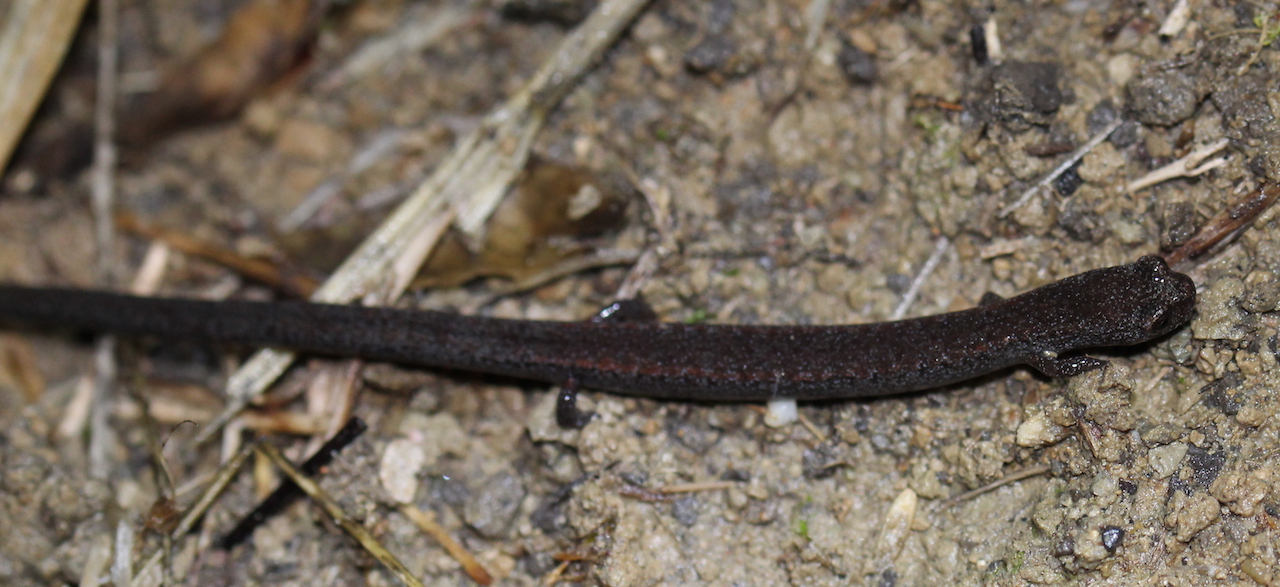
(1173,296)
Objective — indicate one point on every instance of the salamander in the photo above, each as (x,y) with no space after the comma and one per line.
(1045,328)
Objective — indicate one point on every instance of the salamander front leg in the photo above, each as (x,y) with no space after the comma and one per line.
(567,413)
(989,299)
(1055,366)
(631,310)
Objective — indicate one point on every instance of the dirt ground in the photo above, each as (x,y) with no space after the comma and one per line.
(780,173)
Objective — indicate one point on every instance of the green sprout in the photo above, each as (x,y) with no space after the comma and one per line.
(1267,30)
(699,316)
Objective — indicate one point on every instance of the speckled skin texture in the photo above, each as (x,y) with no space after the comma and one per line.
(1122,305)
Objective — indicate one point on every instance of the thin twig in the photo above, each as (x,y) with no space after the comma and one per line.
(697,487)
(1062,167)
(658,198)
(596,260)
(76,414)
(939,249)
(148,574)
(669,492)
(1188,166)
(163,475)
(96,561)
(644,494)
(331,507)
(104,148)
(1177,19)
(103,200)
(554,576)
(287,492)
(1225,225)
(381,146)
(815,16)
(150,273)
(19,359)
(409,39)
(330,397)
(122,565)
(291,283)
(100,433)
(813,429)
(1011,478)
(426,521)
(1155,380)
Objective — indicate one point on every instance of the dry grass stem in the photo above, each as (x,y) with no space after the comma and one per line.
(1188,166)
(466,186)
(331,507)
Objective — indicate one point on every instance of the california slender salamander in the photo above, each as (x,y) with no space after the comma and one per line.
(1044,328)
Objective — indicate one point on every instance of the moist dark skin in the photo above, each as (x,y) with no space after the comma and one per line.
(1045,328)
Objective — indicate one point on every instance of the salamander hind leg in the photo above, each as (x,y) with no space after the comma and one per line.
(1055,366)
(629,310)
(567,413)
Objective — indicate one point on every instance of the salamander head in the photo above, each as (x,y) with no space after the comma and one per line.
(1137,302)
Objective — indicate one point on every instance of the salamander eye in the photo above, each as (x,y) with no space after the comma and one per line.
(1157,322)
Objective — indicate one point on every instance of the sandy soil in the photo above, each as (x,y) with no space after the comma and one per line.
(792,174)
